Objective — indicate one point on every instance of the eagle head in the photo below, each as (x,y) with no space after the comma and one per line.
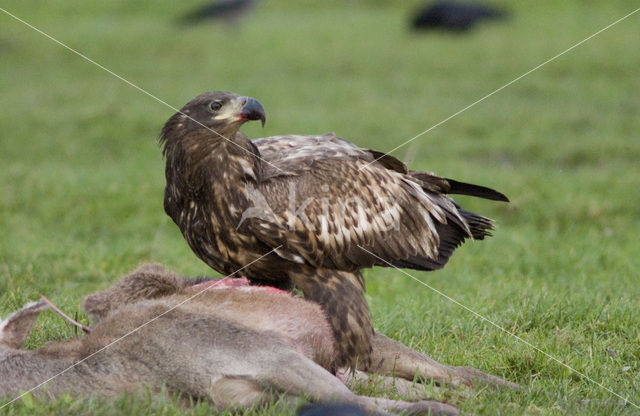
(214,114)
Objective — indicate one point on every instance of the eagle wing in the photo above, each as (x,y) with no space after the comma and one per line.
(328,203)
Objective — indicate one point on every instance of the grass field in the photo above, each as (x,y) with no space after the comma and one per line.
(82,176)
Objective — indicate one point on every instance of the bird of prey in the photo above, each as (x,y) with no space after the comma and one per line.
(306,211)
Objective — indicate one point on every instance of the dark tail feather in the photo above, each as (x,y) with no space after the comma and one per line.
(451,237)
(480,226)
(463,188)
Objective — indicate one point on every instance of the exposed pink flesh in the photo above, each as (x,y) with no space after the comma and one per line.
(226,283)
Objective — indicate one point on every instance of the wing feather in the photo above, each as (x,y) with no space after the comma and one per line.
(329,198)
(363,208)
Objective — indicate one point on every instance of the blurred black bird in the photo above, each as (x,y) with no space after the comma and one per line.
(333,409)
(228,11)
(453,16)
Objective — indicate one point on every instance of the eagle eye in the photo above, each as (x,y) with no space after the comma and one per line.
(215,105)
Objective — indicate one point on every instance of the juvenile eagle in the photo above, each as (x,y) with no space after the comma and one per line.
(306,211)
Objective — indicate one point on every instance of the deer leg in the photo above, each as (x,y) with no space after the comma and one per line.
(392,357)
(407,389)
(297,375)
(235,393)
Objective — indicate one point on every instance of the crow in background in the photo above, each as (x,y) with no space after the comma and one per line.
(457,17)
(228,11)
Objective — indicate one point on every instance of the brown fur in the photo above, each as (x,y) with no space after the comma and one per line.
(202,348)
(388,357)
(303,324)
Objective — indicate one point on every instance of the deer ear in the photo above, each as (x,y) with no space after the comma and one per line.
(149,281)
(98,305)
(16,328)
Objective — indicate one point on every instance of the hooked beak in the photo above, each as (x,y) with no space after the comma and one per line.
(252,110)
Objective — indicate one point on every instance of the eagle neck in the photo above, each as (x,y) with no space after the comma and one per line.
(215,176)
(202,160)
(243,161)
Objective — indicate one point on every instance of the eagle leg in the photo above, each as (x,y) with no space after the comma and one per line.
(341,296)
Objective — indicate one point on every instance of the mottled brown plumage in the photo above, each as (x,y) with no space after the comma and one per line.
(319,207)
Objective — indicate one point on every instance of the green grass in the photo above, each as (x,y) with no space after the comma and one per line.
(82,175)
